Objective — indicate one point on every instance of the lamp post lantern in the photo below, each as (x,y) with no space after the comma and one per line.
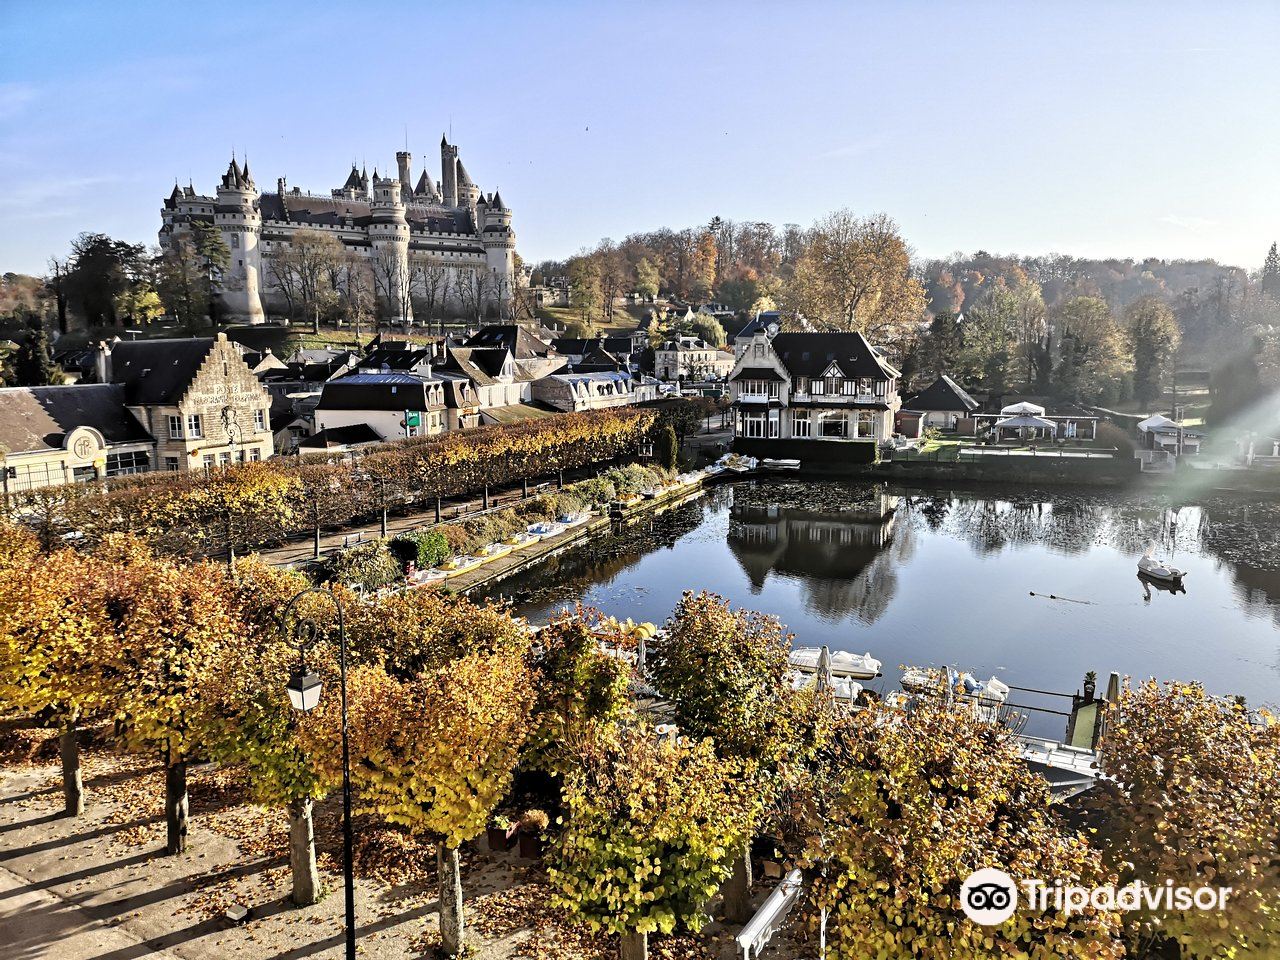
(305,688)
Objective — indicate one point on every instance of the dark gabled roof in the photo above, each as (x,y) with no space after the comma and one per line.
(810,354)
(621,346)
(377,391)
(394,356)
(39,418)
(348,436)
(944,394)
(757,373)
(157,371)
(481,364)
(511,336)
(303,208)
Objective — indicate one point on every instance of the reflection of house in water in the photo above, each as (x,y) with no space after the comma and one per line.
(845,565)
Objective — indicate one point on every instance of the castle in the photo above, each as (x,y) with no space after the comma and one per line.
(445,243)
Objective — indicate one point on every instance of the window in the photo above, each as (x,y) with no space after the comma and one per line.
(224,458)
(175,428)
(833,426)
(752,425)
(193,426)
(171,464)
(123,464)
(260,419)
(208,462)
(801,424)
(255,455)
(774,421)
(849,388)
(818,388)
(759,349)
(235,241)
(802,385)
(865,423)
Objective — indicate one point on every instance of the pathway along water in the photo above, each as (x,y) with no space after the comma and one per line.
(976,579)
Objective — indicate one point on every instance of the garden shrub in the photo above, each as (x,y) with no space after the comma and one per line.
(370,565)
(423,548)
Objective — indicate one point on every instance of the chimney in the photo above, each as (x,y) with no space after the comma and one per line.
(102,362)
(280,185)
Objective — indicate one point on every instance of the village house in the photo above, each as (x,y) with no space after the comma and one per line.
(573,392)
(691,358)
(942,404)
(64,434)
(394,405)
(196,398)
(825,396)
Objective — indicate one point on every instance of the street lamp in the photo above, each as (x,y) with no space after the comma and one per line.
(231,426)
(304,689)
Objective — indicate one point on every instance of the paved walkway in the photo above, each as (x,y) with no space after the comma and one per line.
(38,925)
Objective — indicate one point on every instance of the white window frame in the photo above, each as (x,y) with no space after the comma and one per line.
(801,424)
(175,427)
(260,419)
(194,426)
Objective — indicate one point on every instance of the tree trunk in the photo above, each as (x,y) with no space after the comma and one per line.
(486,496)
(176,808)
(451,924)
(316,551)
(72,778)
(524,488)
(302,854)
(735,894)
(633,946)
(437,509)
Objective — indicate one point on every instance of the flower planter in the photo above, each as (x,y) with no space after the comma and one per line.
(531,846)
(501,838)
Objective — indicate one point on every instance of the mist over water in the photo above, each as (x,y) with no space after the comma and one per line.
(960,577)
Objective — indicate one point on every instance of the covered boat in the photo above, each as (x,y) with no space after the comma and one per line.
(860,666)
(1151,566)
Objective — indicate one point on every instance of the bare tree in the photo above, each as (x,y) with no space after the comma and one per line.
(303,273)
(430,281)
(467,289)
(353,281)
(391,281)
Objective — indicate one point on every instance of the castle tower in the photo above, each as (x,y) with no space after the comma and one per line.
(389,238)
(237,216)
(404,160)
(499,250)
(449,172)
(468,192)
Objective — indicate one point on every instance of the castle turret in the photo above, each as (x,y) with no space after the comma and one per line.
(425,191)
(389,237)
(449,172)
(404,161)
(468,192)
(237,216)
(494,222)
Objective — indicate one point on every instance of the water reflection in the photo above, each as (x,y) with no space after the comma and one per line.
(844,567)
(977,578)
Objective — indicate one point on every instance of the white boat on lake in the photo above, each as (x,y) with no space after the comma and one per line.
(860,666)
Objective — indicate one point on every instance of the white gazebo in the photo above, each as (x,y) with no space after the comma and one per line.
(1025,422)
(1023,409)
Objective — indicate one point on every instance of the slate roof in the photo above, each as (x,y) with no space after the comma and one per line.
(810,354)
(395,357)
(481,364)
(944,394)
(583,345)
(157,371)
(39,418)
(511,336)
(757,373)
(347,436)
(377,391)
(304,208)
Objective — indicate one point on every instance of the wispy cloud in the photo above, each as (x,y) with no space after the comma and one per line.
(49,197)
(1188,223)
(15,97)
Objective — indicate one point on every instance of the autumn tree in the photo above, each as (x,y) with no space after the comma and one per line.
(585,294)
(1155,339)
(647,279)
(648,824)
(430,283)
(1092,353)
(580,692)
(1193,797)
(900,807)
(724,673)
(855,274)
(353,281)
(709,329)
(238,504)
(435,754)
(250,721)
(50,661)
(167,627)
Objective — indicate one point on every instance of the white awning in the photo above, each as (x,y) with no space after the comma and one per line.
(1019,409)
(1025,421)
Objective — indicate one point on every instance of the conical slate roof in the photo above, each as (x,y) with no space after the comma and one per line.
(463,179)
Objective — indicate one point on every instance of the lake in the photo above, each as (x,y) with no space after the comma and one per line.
(959,577)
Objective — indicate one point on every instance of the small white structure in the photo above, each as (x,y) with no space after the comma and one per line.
(1159,432)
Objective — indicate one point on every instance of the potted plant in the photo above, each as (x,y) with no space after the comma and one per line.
(501,833)
(533,824)
(1090,684)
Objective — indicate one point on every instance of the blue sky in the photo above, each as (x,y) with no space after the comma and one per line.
(1122,129)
